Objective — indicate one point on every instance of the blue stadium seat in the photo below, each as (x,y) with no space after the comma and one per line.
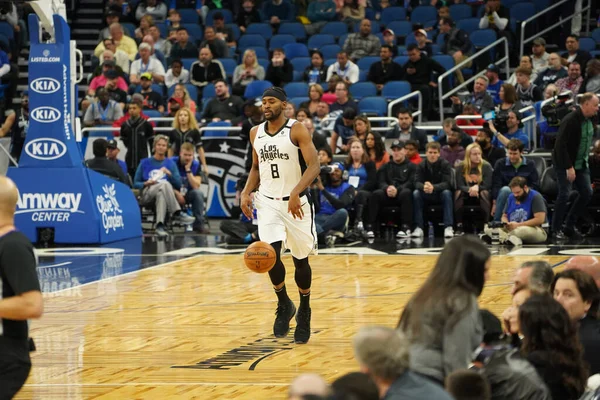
(236,31)
(360,90)
(401,60)
(300,64)
(391,14)
(362,75)
(330,51)
(247,41)
(278,41)
(468,25)
(375,27)
(262,29)
(295,29)
(188,16)
(263,62)
(336,29)
(187,63)
(445,60)
(192,90)
(423,14)
(482,37)
(255,89)
(402,50)
(296,89)
(587,44)
(400,28)
(440,39)
(520,12)
(436,49)
(320,40)
(595,53)
(195,31)
(541,5)
(128,27)
(294,50)
(164,30)
(261,52)
(459,12)
(366,62)
(342,39)
(227,16)
(596,35)
(220,124)
(229,66)
(329,61)
(296,101)
(376,106)
(152,113)
(370,14)
(395,89)
(208,92)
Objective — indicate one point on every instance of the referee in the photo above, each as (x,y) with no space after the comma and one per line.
(20,295)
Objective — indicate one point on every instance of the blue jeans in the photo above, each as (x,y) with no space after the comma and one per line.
(196,199)
(331,222)
(501,202)
(584,195)
(444,197)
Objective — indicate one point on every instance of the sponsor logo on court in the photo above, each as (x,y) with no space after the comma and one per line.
(44,85)
(108,206)
(49,207)
(45,114)
(45,149)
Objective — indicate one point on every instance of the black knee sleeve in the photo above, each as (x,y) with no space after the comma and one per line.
(303,273)
(277,273)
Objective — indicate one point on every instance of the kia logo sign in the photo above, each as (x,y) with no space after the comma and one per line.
(45,149)
(45,114)
(44,85)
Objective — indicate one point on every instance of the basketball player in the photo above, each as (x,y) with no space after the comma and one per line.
(20,295)
(284,164)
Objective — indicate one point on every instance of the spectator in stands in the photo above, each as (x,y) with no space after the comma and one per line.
(355,385)
(119,56)
(442,320)
(536,276)
(154,8)
(495,16)
(322,120)
(111,16)
(153,51)
(136,132)
(572,82)
(224,107)
(513,131)
(574,53)
(191,179)
(395,181)
(102,165)
(302,114)
(206,70)
(344,129)
(109,72)
(223,32)
(468,385)
(384,354)
(181,97)
(386,70)
(344,69)
(280,71)
(276,12)
(376,149)
(158,177)
(456,44)
(527,93)
(145,23)
(19,131)
(122,42)
(494,82)
(480,98)
(554,72)
(152,100)
(325,156)
(210,5)
(173,24)
(453,152)
(308,386)
(551,91)
(570,160)
(490,153)
(316,72)
(551,344)
(423,43)
(343,101)
(389,38)
(510,316)
(405,130)
(539,56)
(315,92)
(217,46)
(108,61)
(362,174)
(319,140)
(362,43)
(514,164)
(526,62)
(473,184)
(177,74)
(577,292)
(146,64)
(508,101)
(248,71)
(112,152)
(247,15)
(290,110)
(447,125)
(183,47)
(433,185)
(591,83)
(362,126)
(160,44)
(352,12)
(319,12)
(412,151)
(103,112)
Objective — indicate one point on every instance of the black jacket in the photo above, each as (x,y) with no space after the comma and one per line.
(504,172)
(425,68)
(455,40)
(568,139)
(380,76)
(279,76)
(371,183)
(415,134)
(589,335)
(136,135)
(108,168)
(438,173)
(492,155)
(322,73)
(401,175)
(581,58)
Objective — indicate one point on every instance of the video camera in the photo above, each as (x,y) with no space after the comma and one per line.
(326,171)
(555,111)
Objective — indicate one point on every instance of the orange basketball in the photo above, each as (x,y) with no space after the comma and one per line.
(260,257)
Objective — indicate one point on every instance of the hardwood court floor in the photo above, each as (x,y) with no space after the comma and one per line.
(212,318)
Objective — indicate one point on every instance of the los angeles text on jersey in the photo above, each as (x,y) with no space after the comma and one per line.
(49,207)
(270,152)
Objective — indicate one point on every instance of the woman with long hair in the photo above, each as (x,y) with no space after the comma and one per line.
(362,126)
(181,92)
(376,149)
(185,130)
(362,174)
(442,319)
(509,99)
(315,93)
(245,73)
(551,345)
(316,72)
(473,184)
(577,292)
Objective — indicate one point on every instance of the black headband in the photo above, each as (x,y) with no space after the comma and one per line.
(276,92)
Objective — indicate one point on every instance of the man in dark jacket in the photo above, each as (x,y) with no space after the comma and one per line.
(418,71)
(103,165)
(205,71)
(456,43)
(280,71)
(570,160)
(405,130)
(433,184)
(575,54)
(395,184)
(136,133)
(489,153)
(386,70)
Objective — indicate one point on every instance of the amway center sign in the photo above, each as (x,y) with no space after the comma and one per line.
(49,207)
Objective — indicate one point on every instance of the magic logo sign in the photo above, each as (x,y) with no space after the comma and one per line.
(49,207)
(108,206)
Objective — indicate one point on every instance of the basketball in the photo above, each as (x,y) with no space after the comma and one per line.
(260,257)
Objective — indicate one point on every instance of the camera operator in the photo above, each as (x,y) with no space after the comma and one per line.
(523,216)
(570,160)
(332,197)
(513,131)
(553,114)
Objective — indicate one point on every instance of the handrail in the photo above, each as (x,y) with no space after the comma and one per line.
(9,156)
(443,97)
(562,21)
(418,113)
(219,128)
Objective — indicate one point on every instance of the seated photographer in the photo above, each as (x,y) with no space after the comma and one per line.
(473,184)
(333,196)
(490,153)
(523,216)
(190,172)
(514,164)
(512,131)
(395,181)
(362,174)
(157,177)
(553,113)
(244,230)
(433,184)
(103,165)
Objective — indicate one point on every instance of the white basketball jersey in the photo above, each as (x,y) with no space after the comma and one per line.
(280,161)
